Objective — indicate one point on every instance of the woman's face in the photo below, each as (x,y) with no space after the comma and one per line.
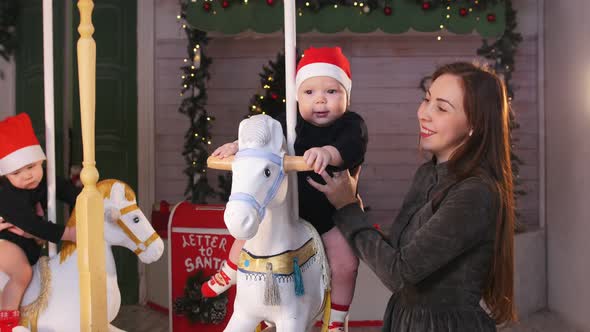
(442,119)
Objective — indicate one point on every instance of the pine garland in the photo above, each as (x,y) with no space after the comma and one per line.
(194,90)
(503,52)
(9,12)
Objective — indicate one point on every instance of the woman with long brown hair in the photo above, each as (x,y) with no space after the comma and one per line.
(452,243)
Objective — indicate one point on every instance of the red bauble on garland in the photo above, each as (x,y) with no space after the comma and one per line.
(270,2)
(274,96)
(225,4)
(207,6)
(387,10)
(463,12)
(491,18)
(426,5)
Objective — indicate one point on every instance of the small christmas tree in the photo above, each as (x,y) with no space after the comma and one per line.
(272,101)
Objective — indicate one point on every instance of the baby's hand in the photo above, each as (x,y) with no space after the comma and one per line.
(318,158)
(226,150)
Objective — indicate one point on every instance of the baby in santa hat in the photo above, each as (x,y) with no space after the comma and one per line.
(23,193)
(331,138)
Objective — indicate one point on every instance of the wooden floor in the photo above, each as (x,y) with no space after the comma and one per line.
(143,319)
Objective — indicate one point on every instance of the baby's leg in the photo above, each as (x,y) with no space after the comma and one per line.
(344,267)
(15,264)
(227,274)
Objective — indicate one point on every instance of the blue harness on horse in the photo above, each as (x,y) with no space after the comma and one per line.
(248,198)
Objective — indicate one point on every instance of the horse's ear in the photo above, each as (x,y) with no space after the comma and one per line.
(277,135)
(118,191)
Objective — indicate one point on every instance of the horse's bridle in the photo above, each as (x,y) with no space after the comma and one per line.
(248,198)
(141,245)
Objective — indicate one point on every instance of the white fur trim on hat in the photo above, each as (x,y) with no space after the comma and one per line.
(324,69)
(21,158)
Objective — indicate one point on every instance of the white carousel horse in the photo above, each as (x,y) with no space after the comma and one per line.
(52,300)
(283,276)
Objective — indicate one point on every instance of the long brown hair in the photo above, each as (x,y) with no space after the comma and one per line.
(488,112)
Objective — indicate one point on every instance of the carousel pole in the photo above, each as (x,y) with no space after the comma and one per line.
(49,113)
(291,103)
(89,205)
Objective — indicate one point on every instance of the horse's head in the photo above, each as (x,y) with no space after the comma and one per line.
(259,174)
(126,225)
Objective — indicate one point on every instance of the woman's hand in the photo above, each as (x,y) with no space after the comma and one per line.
(340,189)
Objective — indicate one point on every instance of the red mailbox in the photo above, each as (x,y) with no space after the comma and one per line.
(198,242)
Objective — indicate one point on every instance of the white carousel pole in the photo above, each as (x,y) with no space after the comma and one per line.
(49,112)
(291,103)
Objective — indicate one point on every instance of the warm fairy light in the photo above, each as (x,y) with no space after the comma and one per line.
(335,6)
(448,16)
(442,26)
(178,17)
(185,60)
(208,118)
(439,38)
(307,4)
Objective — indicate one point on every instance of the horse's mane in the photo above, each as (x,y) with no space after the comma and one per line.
(104,187)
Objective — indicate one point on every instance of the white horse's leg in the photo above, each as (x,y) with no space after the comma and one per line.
(241,323)
(292,325)
(115,329)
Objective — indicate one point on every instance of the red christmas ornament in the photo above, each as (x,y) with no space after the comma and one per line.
(207,6)
(225,4)
(463,12)
(426,5)
(270,2)
(491,18)
(387,10)
(274,96)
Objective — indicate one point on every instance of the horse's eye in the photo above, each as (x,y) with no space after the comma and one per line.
(136,220)
(267,172)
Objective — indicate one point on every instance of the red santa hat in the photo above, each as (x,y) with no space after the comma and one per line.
(324,61)
(19,146)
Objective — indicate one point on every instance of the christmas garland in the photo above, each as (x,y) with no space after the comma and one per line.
(195,74)
(364,6)
(197,308)
(8,19)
